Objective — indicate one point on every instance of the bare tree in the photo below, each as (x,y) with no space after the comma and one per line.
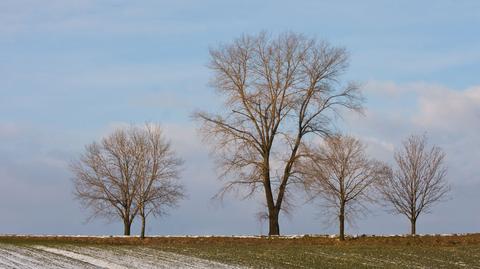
(419,180)
(340,173)
(105,177)
(158,173)
(277,93)
(129,171)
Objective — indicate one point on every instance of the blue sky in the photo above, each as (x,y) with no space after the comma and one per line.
(71,71)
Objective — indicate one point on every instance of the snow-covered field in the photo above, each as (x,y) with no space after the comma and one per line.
(115,257)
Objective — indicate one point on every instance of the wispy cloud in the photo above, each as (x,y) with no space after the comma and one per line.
(93,17)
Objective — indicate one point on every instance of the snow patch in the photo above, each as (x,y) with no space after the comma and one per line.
(89,257)
(81,257)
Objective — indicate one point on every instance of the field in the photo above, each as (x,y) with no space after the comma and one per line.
(456,251)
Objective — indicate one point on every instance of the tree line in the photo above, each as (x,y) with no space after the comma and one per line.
(276,135)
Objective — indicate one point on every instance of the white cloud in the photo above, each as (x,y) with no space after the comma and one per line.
(451,118)
(448,110)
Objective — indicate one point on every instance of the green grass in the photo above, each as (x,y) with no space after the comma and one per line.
(336,256)
(310,252)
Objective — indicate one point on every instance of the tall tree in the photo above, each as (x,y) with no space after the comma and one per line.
(277,93)
(129,171)
(340,173)
(419,181)
(158,172)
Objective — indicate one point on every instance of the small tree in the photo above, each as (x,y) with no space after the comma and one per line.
(343,176)
(419,180)
(105,177)
(130,171)
(157,175)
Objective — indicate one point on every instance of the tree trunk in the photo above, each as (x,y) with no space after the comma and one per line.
(274,227)
(413,228)
(341,219)
(142,233)
(126,227)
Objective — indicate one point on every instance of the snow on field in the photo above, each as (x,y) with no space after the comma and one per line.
(287,236)
(70,256)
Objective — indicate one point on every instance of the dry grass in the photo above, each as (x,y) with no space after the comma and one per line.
(427,240)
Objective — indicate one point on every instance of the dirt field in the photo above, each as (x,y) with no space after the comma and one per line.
(230,252)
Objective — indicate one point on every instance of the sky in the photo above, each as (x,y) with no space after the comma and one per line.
(72,71)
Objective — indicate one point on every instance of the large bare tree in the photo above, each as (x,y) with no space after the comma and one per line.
(130,171)
(158,173)
(419,180)
(278,92)
(341,174)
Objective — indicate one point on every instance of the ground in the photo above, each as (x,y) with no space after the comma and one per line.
(96,256)
(453,251)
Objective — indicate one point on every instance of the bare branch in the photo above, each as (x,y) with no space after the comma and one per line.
(277,92)
(342,175)
(131,171)
(419,181)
